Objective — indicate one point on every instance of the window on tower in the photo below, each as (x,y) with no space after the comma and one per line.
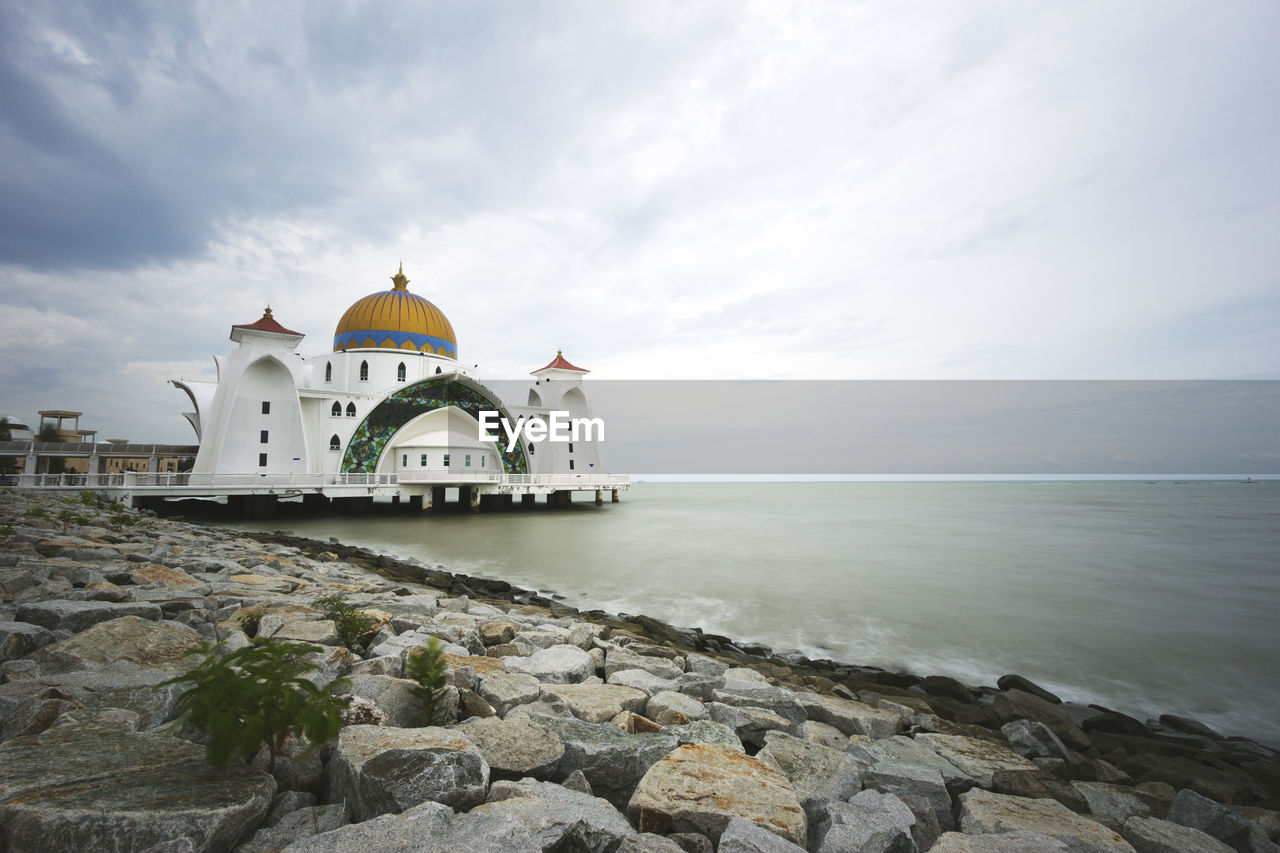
(336,411)
(400,372)
(364,371)
(351,410)
(328,371)
(335,443)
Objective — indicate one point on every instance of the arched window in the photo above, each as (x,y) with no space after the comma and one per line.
(400,372)
(351,410)
(328,371)
(364,371)
(336,411)
(438,370)
(335,443)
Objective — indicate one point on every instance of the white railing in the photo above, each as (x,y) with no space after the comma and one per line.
(187,480)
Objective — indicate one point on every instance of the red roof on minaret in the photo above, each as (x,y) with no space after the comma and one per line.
(560,363)
(267,323)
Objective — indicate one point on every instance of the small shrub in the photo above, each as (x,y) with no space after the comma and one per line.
(426,666)
(37,512)
(69,517)
(354,628)
(6,530)
(257,695)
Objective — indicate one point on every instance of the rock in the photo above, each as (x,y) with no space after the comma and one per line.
(382,769)
(1038,785)
(700,687)
(88,788)
(816,773)
(426,828)
(870,822)
(635,724)
(901,748)
(1268,819)
(1031,739)
(612,761)
(563,664)
(119,685)
(1218,821)
(692,842)
(618,659)
(1114,804)
(322,632)
(1010,842)
(642,680)
(1189,726)
(1017,682)
(149,644)
(1152,835)
(162,576)
(1215,783)
(1018,705)
(699,788)
(20,639)
(75,616)
(557,818)
(515,748)
(851,718)
(749,724)
(496,633)
(670,708)
(506,690)
(302,823)
(705,731)
(395,698)
(916,784)
(647,842)
(985,812)
(577,781)
(704,665)
(776,700)
(285,802)
(743,836)
(598,703)
(941,685)
(824,734)
(978,759)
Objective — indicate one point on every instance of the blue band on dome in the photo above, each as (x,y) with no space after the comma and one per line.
(355,340)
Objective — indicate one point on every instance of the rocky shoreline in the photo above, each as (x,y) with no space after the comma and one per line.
(557,730)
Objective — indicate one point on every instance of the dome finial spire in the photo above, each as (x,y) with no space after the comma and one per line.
(267,312)
(398,281)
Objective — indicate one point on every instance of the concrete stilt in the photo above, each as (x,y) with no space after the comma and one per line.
(615,496)
(415,502)
(528,499)
(474,498)
(599,497)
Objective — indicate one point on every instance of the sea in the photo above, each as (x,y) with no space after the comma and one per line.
(1145,597)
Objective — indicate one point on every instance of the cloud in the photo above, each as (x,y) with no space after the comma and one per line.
(715,189)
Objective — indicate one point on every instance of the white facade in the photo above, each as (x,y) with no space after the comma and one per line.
(391,399)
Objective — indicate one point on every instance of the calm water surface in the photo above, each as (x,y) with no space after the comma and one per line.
(1147,597)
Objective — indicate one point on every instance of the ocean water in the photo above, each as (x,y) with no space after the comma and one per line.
(1146,597)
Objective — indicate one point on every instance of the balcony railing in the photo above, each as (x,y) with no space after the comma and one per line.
(189,481)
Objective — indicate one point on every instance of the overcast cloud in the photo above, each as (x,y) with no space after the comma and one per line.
(713,189)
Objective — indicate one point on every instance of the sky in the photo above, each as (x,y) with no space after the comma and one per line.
(711,190)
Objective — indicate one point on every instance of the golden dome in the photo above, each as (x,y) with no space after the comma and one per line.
(395,319)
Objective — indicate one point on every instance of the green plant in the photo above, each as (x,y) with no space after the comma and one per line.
(354,628)
(256,695)
(37,512)
(426,665)
(6,530)
(69,517)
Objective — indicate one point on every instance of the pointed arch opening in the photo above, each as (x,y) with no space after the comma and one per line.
(364,371)
(328,371)
(335,443)
(351,410)
(400,372)
(336,411)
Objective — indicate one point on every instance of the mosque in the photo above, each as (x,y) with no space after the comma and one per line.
(389,414)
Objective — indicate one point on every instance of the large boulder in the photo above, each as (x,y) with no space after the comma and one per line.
(816,773)
(562,664)
(89,788)
(1008,842)
(1032,739)
(75,616)
(429,827)
(749,724)
(985,812)
(618,659)
(20,639)
(558,818)
(515,748)
(666,707)
(1114,804)
(850,717)
(743,836)
(396,698)
(598,703)
(1019,705)
(1152,835)
(978,759)
(149,644)
(1198,812)
(700,789)
(871,822)
(380,769)
(505,690)
(901,748)
(915,783)
(611,760)
(776,700)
